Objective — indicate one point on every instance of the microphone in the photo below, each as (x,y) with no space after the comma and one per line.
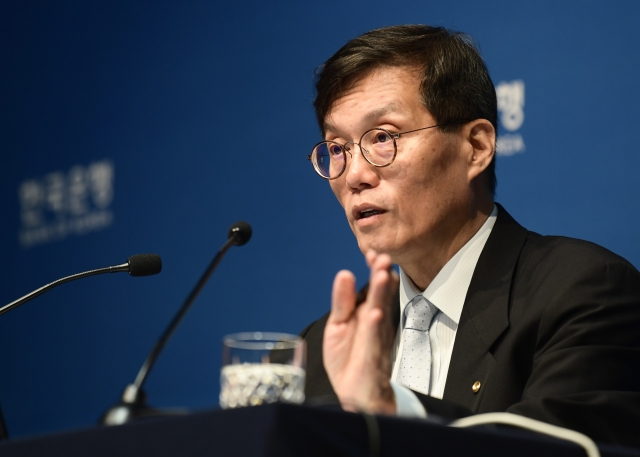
(133,401)
(144,265)
(241,231)
(137,265)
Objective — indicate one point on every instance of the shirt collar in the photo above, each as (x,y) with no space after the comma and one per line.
(449,288)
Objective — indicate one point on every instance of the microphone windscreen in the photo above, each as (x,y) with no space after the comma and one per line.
(145,264)
(242,232)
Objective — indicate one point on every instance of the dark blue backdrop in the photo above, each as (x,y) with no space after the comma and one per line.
(132,127)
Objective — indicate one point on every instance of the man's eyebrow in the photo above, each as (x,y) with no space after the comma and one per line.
(328,127)
(370,117)
(379,112)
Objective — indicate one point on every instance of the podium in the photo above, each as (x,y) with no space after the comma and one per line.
(291,430)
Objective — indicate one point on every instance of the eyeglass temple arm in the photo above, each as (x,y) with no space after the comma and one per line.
(461,121)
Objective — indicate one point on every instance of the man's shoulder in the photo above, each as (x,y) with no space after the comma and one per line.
(543,268)
(548,250)
(565,251)
(562,276)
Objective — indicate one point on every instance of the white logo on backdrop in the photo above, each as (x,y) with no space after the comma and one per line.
(63,204)
(511,109)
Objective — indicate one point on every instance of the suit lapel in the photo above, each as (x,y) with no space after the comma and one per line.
(485,315)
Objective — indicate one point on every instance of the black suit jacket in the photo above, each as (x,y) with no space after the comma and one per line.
(550,328)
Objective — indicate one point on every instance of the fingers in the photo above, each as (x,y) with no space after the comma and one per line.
(382,284)
(370,257)
(357,339)
(383,279)
(343,297)
(377,261)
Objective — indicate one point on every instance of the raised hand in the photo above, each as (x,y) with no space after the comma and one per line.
(357,339)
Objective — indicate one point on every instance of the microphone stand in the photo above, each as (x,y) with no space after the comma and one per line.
(43,289)
(133,402)
(137,265)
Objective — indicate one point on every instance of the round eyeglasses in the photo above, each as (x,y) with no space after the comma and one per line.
(378,147)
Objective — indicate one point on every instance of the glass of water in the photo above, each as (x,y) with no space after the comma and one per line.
(262,367)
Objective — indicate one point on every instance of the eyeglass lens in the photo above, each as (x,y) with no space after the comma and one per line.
(329,159)
(377,147)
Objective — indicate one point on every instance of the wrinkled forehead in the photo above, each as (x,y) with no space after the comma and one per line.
(369,117)
(374,94)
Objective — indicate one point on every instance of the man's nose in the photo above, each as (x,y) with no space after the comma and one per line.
(359,172)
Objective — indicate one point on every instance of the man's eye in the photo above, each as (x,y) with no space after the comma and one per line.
(334,149)
(381,137)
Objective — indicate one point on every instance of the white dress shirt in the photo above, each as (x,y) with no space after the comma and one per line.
(446,292)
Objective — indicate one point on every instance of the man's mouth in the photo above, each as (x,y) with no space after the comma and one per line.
(364,212)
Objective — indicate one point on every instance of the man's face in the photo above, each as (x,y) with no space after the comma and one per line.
(422,199)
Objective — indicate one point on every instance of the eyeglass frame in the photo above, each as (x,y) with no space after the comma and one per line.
(393,135)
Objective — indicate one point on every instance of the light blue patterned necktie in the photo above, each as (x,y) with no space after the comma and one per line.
(415,362)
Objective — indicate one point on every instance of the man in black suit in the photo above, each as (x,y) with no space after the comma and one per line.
(545,327)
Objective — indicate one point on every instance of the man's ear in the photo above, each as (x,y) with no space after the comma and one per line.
(481,136)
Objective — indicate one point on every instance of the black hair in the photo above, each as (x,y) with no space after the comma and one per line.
(455,82)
